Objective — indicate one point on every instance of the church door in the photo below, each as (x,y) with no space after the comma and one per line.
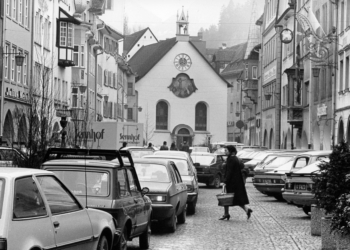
(183,135)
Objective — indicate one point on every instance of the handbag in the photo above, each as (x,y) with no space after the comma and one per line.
(225,199)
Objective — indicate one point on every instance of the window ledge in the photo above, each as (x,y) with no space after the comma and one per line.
(161,131)
(201,132)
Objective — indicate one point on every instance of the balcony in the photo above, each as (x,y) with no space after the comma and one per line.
(250,88)
(295,116)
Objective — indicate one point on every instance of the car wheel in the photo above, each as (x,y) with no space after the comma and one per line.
(217,181)
(145,238)
(181,218)
(307,210)
(123,240)
(103,243)
(172,223)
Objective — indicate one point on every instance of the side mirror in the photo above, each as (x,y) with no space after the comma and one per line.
(144,190)
(196,164)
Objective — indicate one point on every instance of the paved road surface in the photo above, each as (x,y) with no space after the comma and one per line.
(273,225)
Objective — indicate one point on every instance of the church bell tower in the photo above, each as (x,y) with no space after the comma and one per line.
(182,27)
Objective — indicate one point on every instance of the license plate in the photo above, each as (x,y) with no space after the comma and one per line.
(300,186)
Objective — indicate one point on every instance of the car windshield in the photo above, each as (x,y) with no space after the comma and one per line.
(203,159)
(260,156)
(2,182)
(286,167)
(140,153)
(278,161)
(96,183)
(268,158)
(152,172)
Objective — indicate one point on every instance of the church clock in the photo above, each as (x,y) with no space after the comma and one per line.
(182,62)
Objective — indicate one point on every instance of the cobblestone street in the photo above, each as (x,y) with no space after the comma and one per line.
(273,225)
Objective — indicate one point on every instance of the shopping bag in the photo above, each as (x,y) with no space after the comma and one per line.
(225,199)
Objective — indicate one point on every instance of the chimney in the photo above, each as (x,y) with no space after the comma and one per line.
(200,35)
(223,45)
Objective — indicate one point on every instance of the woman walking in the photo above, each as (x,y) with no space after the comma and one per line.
(234,183)
(173,147)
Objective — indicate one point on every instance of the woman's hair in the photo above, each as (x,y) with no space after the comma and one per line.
(172,145)
(231,149)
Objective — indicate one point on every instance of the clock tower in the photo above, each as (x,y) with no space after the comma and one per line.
(182,27)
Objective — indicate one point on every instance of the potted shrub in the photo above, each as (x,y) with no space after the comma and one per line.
(331,189)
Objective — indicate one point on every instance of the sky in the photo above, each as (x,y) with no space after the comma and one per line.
(160,15)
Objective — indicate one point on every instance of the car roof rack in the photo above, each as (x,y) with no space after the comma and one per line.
(81,153)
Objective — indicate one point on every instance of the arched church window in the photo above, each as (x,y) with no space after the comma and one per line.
(162,116)
(201,117)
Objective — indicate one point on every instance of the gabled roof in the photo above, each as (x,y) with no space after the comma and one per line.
(148,56)
(132,39)
(234,66)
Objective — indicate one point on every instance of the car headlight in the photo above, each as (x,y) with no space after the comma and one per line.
(159,198)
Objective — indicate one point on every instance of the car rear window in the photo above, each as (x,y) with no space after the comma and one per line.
(278,161)
(96,184)
(152,172)
(203,159)
(2,182)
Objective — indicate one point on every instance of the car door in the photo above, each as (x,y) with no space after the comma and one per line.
(30,217)
(72,226)
(181,188)
(127,205)
(140,212)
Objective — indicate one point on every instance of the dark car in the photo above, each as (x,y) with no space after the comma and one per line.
(12,157)
(166,190)
(188,176)
(99,181)
(210,168)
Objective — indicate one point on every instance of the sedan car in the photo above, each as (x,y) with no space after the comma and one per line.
(166,190)
(298,186)
(210,168)
(111,186)
(37,211)
(188,177)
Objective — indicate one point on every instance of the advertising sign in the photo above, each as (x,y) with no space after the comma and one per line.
(111,135)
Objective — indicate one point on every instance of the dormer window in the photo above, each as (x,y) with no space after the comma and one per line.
(65,34)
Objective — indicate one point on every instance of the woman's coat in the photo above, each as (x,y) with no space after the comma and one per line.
(234,181)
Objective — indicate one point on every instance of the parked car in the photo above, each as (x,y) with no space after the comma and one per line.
(250,165)
(188,177)
(11,157)
(178,153)
(210,168)
(39,212)
(199,149)
(298,186)
(111,186)
(166,190)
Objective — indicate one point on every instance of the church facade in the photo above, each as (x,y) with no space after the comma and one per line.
(181,95)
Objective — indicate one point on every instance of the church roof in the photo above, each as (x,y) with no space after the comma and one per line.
(148,56)
(131,40)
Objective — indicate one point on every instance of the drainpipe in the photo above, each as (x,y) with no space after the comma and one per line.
(3,75)
(335,61)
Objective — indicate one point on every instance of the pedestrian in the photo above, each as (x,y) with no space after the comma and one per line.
(185,147)
(173,147)
(124,145)
(164,147)
(150,145)
(234,183)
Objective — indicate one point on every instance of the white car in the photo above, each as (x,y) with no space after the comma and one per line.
(38,212)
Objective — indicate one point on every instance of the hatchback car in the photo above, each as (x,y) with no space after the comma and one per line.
(111,186)
(166,190)
(298,186)
(210,168)
(188,177)
(37,211)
